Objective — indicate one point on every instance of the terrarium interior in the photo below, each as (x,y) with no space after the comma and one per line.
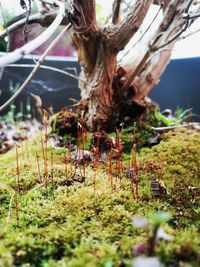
(111,179)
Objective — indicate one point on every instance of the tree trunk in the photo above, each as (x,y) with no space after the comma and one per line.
(97,91)
(110,93)
(104,104)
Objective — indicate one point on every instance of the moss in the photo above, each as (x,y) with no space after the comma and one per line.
(82,225)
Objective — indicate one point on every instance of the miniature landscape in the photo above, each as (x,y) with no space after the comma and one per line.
(60,208)
(109,180)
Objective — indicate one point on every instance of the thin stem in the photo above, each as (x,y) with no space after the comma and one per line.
(47,68)
(36,68)
(38,41)
(17,168)
(142,36)
(37,160)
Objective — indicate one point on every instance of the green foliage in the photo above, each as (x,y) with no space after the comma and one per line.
(71,227)
(159,218)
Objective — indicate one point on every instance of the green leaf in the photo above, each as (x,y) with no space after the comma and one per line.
(159,218)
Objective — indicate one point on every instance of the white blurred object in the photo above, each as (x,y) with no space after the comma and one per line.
(146,262)
(140,222)
(161,234)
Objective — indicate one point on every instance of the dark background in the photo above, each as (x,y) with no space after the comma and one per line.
(179,86)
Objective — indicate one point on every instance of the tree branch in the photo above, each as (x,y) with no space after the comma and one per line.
(36,68)
(119,36)
(169,31)
(32,45)
(43,19)
(83,18)
(116,11)
(64,72)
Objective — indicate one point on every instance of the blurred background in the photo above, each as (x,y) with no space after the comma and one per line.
(179,86)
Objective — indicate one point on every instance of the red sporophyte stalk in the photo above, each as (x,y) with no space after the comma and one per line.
(84,139)
(96,157)
(98,144)
(45,163)
(46,147)
(17,207)
(43,152)
(122,143)
(52,162)
(17,190)
(130,168)
(70,157)
(26,145)
(118,148)
(110,168)
(135,164)
(79,129)
(17,168)
(66,170)
(38,163)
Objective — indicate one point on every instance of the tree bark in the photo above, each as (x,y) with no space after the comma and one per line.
(170,30)
(109,92)
(97,53)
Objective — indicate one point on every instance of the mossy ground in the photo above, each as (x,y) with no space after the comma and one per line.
(82,226)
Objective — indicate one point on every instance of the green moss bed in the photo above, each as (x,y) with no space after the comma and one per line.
(83,225)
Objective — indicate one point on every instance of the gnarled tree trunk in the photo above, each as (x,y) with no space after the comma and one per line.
(111,92)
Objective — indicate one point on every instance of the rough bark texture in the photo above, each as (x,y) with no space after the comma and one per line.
(109,92)
(97,51)
(158,59)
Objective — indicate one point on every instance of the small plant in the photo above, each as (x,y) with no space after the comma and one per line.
(155,232)
(13,87)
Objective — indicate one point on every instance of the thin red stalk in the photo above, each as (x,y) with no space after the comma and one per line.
(79,126)
(84,138)
(95,172)
(46,148)
(27,150)
(45,162)
(17,169)
(98,143)
(38,163)
(110,168)
(17,207)
(66,170)
(96,159)
(135,165)
(17,186)
(52,162)
(122,142)
(70,157)
(43,153)
(131,179)
(118,162)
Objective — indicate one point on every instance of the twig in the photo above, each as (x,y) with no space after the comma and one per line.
(142,36)
(26,31)
(4,22)
(47,68)
(160,129)
(190,34)
(36,18)
(37,160)
(36,68)
(38,41)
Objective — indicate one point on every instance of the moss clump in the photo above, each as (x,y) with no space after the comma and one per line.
(84,223)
